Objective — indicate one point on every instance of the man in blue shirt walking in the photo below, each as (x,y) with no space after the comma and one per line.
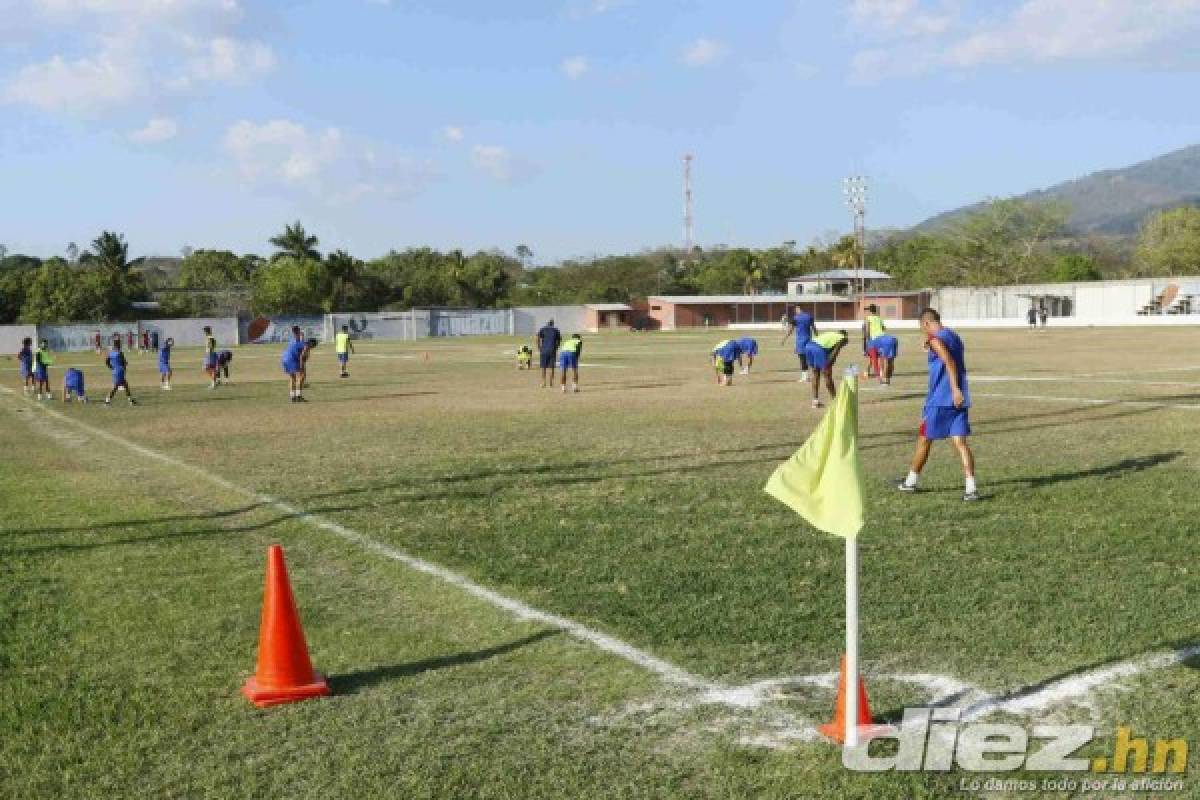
(947,404)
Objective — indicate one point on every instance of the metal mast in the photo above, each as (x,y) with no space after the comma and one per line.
(855,190)
(688,237)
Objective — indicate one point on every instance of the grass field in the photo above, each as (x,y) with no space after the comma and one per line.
(132,548)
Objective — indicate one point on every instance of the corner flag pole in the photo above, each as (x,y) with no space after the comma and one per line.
(851,676)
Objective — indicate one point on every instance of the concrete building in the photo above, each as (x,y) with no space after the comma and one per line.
(835,281)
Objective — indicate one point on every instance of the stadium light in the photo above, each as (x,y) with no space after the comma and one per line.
(854,189)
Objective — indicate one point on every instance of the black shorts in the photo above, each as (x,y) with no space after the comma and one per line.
(547,360)
(727,367)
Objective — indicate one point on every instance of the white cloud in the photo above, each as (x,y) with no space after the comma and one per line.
(329,164)
(594,8)
(453,133)
(703,51)
(574,67)
(500,163)
(225,59)
(85,85)
(158,129)
(915,36)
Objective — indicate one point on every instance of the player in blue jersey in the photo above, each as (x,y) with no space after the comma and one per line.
(724,356)
(211,367)
(116,362)
(42,360)
(821,353)
(947,405)
(568,359)
(294,356)
(164,365)
(224,359)
(73,386)
(25,363)
(749,348)
(801,325)
(886,348)
(549,339)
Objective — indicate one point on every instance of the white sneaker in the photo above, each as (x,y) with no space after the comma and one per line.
(804,378)
(575,388)
(564,388)
(817,404)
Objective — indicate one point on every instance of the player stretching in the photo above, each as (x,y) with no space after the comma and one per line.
(25,361)
(164,365)
(548,341)
(293,363)
(211,365)
(821,353)
(73,386)
(723,357)
(117,363)
(568,358)
(872,328)
(801,324)
(343,347)
(749,348)
(947,406)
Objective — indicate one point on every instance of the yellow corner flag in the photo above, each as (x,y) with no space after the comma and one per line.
(822,481)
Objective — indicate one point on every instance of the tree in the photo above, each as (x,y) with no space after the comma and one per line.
(296,242)
(524,255)
(111,251)
(58,293)
(289,285)
(1169,243)
(1006,241)
(479,281)
(72,253)
(14,284)
(1073,267)
(3,252)
(219,270)
(342,276)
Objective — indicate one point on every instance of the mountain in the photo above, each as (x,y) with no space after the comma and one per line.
(1116,201)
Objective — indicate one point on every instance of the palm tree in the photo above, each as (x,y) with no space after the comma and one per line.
(342,269)
(111,251)
(295,241)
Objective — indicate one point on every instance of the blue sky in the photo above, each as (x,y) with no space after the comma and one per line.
(561,123)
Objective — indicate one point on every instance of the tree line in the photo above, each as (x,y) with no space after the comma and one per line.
(1005,241)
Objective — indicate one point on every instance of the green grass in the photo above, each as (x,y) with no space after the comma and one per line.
(129,587)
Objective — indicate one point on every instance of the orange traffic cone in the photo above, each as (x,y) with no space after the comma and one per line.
(867,728)
(285,673)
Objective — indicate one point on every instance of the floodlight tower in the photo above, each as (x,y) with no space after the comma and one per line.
(855,190)
(688,232)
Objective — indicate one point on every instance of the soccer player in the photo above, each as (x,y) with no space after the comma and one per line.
(42,360)
(723,357)
(224,358)
(145,341)
(872,328)
(886,347)
(210,357)
(154,341)
(311,345)
(164,365)
(821,353)
(1031,317)
(1043,316)
(947,405)
(294,356)
(749,348)
(524,357)
(73,386)
(343,347)
(25,363)
(116,362)
(549,339)
(132,338)
(802,325)
(568,358)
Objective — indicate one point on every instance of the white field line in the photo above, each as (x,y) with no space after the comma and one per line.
(1075,379)
(1088,401)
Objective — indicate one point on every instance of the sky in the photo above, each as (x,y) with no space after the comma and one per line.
(561,124)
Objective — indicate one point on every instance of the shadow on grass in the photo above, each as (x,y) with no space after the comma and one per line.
(352,682)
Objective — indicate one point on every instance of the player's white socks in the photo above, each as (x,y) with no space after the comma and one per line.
(970,484)
(911,480)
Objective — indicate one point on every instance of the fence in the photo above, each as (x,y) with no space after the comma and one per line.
(74,336)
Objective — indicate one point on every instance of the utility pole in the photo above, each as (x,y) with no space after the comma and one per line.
(855,190)
(688,232)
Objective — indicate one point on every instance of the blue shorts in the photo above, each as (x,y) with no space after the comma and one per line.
(291,367)
(75,386)
(343,357)
(118,377)
(887,346)
(41,374)
(547,360)
(568,360)
(210,360)
(164,367)
(801,344)
(942,422)
(817,356)
(25,372)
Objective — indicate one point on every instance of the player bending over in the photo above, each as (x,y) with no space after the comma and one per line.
(343,347)
(568,359)
(872,328)
(524,357)
(821,354)
(73,386)
(749,348)
(886,347)
(224,359)
(723,356)
(801,325)
(25,364)
(164,365)
(116,362)
(294,356)
(947,405)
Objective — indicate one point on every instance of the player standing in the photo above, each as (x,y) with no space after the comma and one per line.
(25,363)
(947,405)
(872,328)
(804,327)
(294,356)
(116,362)
(164,365)
(549,339)
(210,357)
(568,358)
(343,347)
(41,371)
(821,353)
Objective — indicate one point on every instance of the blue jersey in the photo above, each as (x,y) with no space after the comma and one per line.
(164,357)
(549,339)
(940,392)
(116,362)
(748,346)
(804,325)
(25,358)
(73,380)
(727,351)
(293,351)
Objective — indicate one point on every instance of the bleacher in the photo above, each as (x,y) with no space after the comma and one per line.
(1174,300)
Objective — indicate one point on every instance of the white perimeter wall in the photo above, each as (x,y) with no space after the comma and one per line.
(568,319)
(11,336)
